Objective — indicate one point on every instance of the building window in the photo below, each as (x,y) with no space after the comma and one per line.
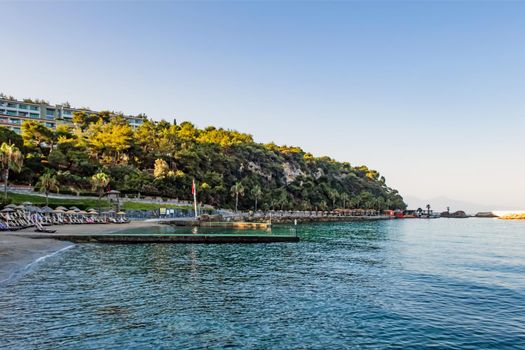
(23,106)
(34,115)
(12,105)
(33,108)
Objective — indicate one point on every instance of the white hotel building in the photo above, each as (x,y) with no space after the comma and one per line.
(13,113)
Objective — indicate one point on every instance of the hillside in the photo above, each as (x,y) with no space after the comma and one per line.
(161,159)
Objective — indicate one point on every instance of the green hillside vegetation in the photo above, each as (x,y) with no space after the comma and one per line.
(161,159)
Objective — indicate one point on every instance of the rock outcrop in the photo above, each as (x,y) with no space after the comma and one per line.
(460,214)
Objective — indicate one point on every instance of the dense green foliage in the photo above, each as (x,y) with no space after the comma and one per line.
(161,159)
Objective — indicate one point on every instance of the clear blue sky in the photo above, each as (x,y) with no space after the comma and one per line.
(430,94)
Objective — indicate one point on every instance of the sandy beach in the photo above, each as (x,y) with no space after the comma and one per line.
(17,251)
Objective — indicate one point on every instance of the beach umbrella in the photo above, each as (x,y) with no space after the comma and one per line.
(121,213)
(10,206)
(74,208)
(47,209)
(7,210)
(33,209)
(59,211)
(20,206)
(60,208)
(71,211)
(27,203)
(82,212)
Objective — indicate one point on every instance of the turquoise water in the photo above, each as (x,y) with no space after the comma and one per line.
(441,283)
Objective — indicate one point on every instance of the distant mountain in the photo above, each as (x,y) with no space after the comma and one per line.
(440,204)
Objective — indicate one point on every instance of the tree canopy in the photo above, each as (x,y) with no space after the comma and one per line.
(161,159)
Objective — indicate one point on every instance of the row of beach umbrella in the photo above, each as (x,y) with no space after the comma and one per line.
(27,206)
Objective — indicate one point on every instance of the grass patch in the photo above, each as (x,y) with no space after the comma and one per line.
(84,203)
(151,206)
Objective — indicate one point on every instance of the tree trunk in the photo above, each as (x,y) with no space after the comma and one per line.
(99,198)
(255,204)
(236,200)
(6,176)
(47,198)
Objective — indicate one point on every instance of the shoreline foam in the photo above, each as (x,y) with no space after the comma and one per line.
(19,253)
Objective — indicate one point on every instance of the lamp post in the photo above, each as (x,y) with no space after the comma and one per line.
(114,197)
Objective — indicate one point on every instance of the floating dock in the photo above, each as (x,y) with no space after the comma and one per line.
(168,238)
(240,225)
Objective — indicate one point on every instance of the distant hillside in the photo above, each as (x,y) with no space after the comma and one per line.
(161,159)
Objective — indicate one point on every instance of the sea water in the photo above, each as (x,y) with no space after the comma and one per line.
(444,283)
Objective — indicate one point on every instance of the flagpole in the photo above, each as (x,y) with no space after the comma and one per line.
(194,190)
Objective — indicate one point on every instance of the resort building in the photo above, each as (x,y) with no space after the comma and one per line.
(13,113)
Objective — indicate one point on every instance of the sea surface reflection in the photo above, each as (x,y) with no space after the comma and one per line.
(415,283)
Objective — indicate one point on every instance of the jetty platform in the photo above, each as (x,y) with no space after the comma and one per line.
(239,225)
(165,238)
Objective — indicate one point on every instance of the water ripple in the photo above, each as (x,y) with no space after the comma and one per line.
(356,285)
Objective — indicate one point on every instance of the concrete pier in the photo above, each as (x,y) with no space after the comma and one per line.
(168,238)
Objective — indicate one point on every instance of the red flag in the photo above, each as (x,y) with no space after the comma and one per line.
(193,187)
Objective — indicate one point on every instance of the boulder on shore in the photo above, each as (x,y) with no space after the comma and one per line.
(486,214)
(460,214)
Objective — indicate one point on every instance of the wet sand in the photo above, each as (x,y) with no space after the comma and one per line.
(17,251)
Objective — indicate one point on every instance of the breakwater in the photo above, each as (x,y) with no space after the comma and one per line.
(286,219)
(172,238)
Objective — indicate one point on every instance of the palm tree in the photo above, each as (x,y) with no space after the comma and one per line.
(100,181)
(10,159)
(236,191)
(333,195)
(47,183)
(256,194)
(428,210)
(344,198)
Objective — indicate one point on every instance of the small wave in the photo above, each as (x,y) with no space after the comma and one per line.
(28,266)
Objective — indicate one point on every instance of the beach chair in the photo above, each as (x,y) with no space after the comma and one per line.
(40,228)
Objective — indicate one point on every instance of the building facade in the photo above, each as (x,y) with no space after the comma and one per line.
(13,113)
